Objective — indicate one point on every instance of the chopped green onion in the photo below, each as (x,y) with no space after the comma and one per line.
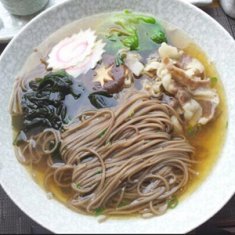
(126,11)
(173,202)
(213,80)
(193,130)
(99,211)
(131,42)
(78,186)
(102,133)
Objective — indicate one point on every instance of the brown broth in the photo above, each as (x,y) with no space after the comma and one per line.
(208,141)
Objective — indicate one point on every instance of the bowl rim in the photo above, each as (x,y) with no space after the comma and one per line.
(202,219)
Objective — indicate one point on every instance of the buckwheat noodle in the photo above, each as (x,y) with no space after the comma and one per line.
(122,161)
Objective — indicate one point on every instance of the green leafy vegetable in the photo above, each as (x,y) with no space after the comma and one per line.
(173,202)
(214,81)
(127,30)
(102,133)
(43,104)
(159,37)
(78,186)
(135,30)
(131,17)
(131,42)
(147,19)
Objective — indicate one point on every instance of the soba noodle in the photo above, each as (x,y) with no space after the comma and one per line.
(127,160)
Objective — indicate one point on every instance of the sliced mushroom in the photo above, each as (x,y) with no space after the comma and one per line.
(118,79)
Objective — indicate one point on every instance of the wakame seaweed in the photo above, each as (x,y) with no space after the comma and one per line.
(43,104)
(101,99)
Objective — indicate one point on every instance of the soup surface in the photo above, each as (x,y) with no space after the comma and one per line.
(118,114)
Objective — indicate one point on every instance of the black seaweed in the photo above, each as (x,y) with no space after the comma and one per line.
(43,105)
(101,99)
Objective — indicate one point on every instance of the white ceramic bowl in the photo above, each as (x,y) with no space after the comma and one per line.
(212,194)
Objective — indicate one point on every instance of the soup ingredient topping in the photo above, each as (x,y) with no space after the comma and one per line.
(132,60)
(173,202)
(103,75)
(118,72)
(111,79)
(118,75)
(101,99)
(76,54)
(128,27)
(43,105)
(184,78)
(214,81)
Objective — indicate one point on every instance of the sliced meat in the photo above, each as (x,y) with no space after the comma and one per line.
(195,68)
(184,61)
(205,93)
(183,96)
(209,100)
(183,78)
(180,76)
(208,111)
(192,112)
